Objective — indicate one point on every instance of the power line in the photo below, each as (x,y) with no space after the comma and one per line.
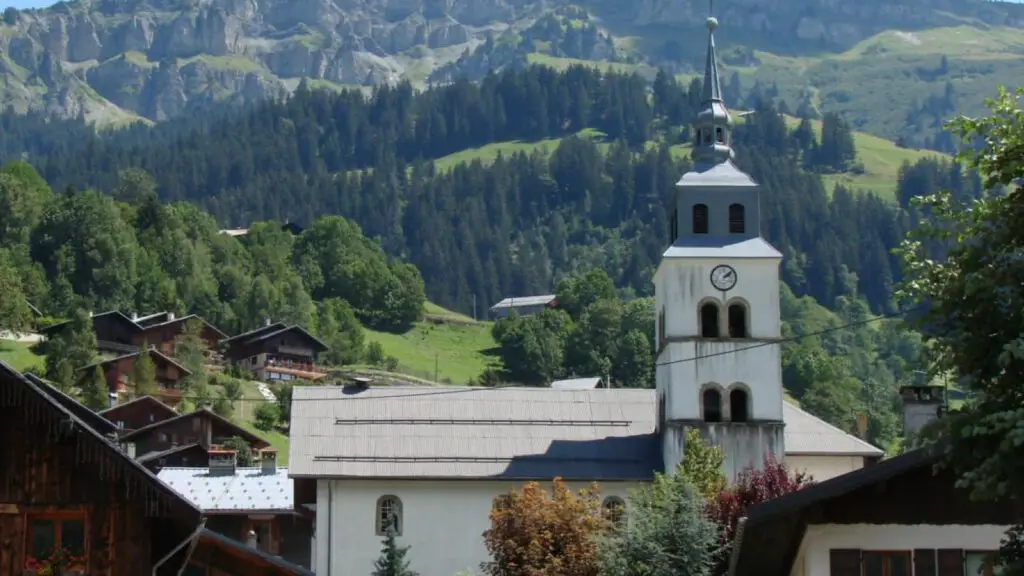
(798,337)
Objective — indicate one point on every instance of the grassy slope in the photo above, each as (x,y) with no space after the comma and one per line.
(458,347)
(19,356)
(881,158)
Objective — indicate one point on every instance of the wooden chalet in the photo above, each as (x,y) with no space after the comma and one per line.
(899,517)
(276,352)
(137,413)
(71,486)
(248,504)
(118,333)
(203,427)
(118,373)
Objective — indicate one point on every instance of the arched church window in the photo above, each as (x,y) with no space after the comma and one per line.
(389,515)
(719,135)
(711,402)
(700,218)
(614,510)
(709,321)
(738,405)
(738,321)
(737,219)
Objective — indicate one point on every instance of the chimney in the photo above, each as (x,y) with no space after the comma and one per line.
(862,426)
(111,399)
(267,322)
(922,405)
(250,539)
(170,316)
(135,316)
(268,462)
(129,449)
(223,462)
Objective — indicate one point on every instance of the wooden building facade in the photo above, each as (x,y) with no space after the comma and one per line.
(118,373)
(202,427)
(66,485)
(276,352)
(137,413)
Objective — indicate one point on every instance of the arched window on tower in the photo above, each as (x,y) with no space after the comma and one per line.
(738,407)
(737,219)
(719,135)
(738,321)
(711,402)
(700,218)
(709,321)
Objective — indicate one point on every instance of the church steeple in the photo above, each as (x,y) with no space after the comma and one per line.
(713,126)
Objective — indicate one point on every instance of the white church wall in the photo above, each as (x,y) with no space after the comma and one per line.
(823,467)
(442,521)
(813,556)
(743,446)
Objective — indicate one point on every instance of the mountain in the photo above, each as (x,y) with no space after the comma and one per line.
(115,61)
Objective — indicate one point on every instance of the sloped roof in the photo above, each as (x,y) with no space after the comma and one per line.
(519,433)
(200,413)
(94,420)
(265,332)
(273,564)
(248,490)
(156,455)
(716,175)
(514,302)
(809,435)
(112,412)
(156,354)
(721,247)
(116,314)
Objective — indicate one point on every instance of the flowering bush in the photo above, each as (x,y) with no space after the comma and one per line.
(54,563)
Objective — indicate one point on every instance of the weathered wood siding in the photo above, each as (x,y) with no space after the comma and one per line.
(51,463)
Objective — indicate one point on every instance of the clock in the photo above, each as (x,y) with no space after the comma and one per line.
(723,277)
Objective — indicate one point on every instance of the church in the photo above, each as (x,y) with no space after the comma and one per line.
(434,458)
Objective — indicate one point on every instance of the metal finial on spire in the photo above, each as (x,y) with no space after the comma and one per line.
(713,124)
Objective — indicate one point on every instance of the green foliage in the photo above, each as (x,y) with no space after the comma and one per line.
(242,449)
(338,327)
(15,315)
(283,392)
(144,373)
(267,416)
(94,390)
(668,533)
(392,561)
(965,265)
(702,465)
(72,348)
(223,406)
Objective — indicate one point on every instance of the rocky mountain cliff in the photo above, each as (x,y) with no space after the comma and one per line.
(116,60)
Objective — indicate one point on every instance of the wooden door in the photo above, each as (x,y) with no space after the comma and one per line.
(12,540)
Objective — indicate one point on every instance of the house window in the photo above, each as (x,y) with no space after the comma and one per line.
(700,218)
(737,219)
(886,563)
(389,515)
(738,405)
(47,532)
(738,321)
(980,564)
(709,320)
(614,510)
(711,401)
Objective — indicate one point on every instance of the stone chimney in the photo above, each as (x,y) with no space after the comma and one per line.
(251,540)
(111,399)
(170,316)
(135,316)
(223,462)
(922,405)
(268,462)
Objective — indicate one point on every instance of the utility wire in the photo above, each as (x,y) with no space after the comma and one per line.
(775,342)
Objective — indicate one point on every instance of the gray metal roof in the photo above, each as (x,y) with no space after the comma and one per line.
(711,247)
(723,175)
(515,302)
(809,435)
(248,490)
(577,383)
(520,433)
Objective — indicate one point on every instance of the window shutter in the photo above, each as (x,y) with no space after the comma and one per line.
(951,562)
(844,562)
(924,562)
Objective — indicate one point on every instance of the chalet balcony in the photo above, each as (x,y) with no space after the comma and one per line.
(287,369)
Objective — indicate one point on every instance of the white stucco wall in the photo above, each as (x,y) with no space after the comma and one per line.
(443,522)
(823,467)
(813,557)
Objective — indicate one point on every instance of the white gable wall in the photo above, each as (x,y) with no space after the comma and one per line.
(443,521)
(813,557)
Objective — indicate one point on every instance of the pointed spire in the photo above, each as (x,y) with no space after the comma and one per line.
(713,127)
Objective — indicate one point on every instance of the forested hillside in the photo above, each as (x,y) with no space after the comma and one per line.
(477,232)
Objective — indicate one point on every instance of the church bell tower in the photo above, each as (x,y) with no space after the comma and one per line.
(719,365)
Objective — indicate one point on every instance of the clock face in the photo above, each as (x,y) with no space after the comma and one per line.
(723,277)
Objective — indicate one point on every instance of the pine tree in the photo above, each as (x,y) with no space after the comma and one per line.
(144,373)
(392,560)
(95,390)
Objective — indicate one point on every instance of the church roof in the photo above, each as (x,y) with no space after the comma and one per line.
(721,247)
(705,175)
(509,433)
